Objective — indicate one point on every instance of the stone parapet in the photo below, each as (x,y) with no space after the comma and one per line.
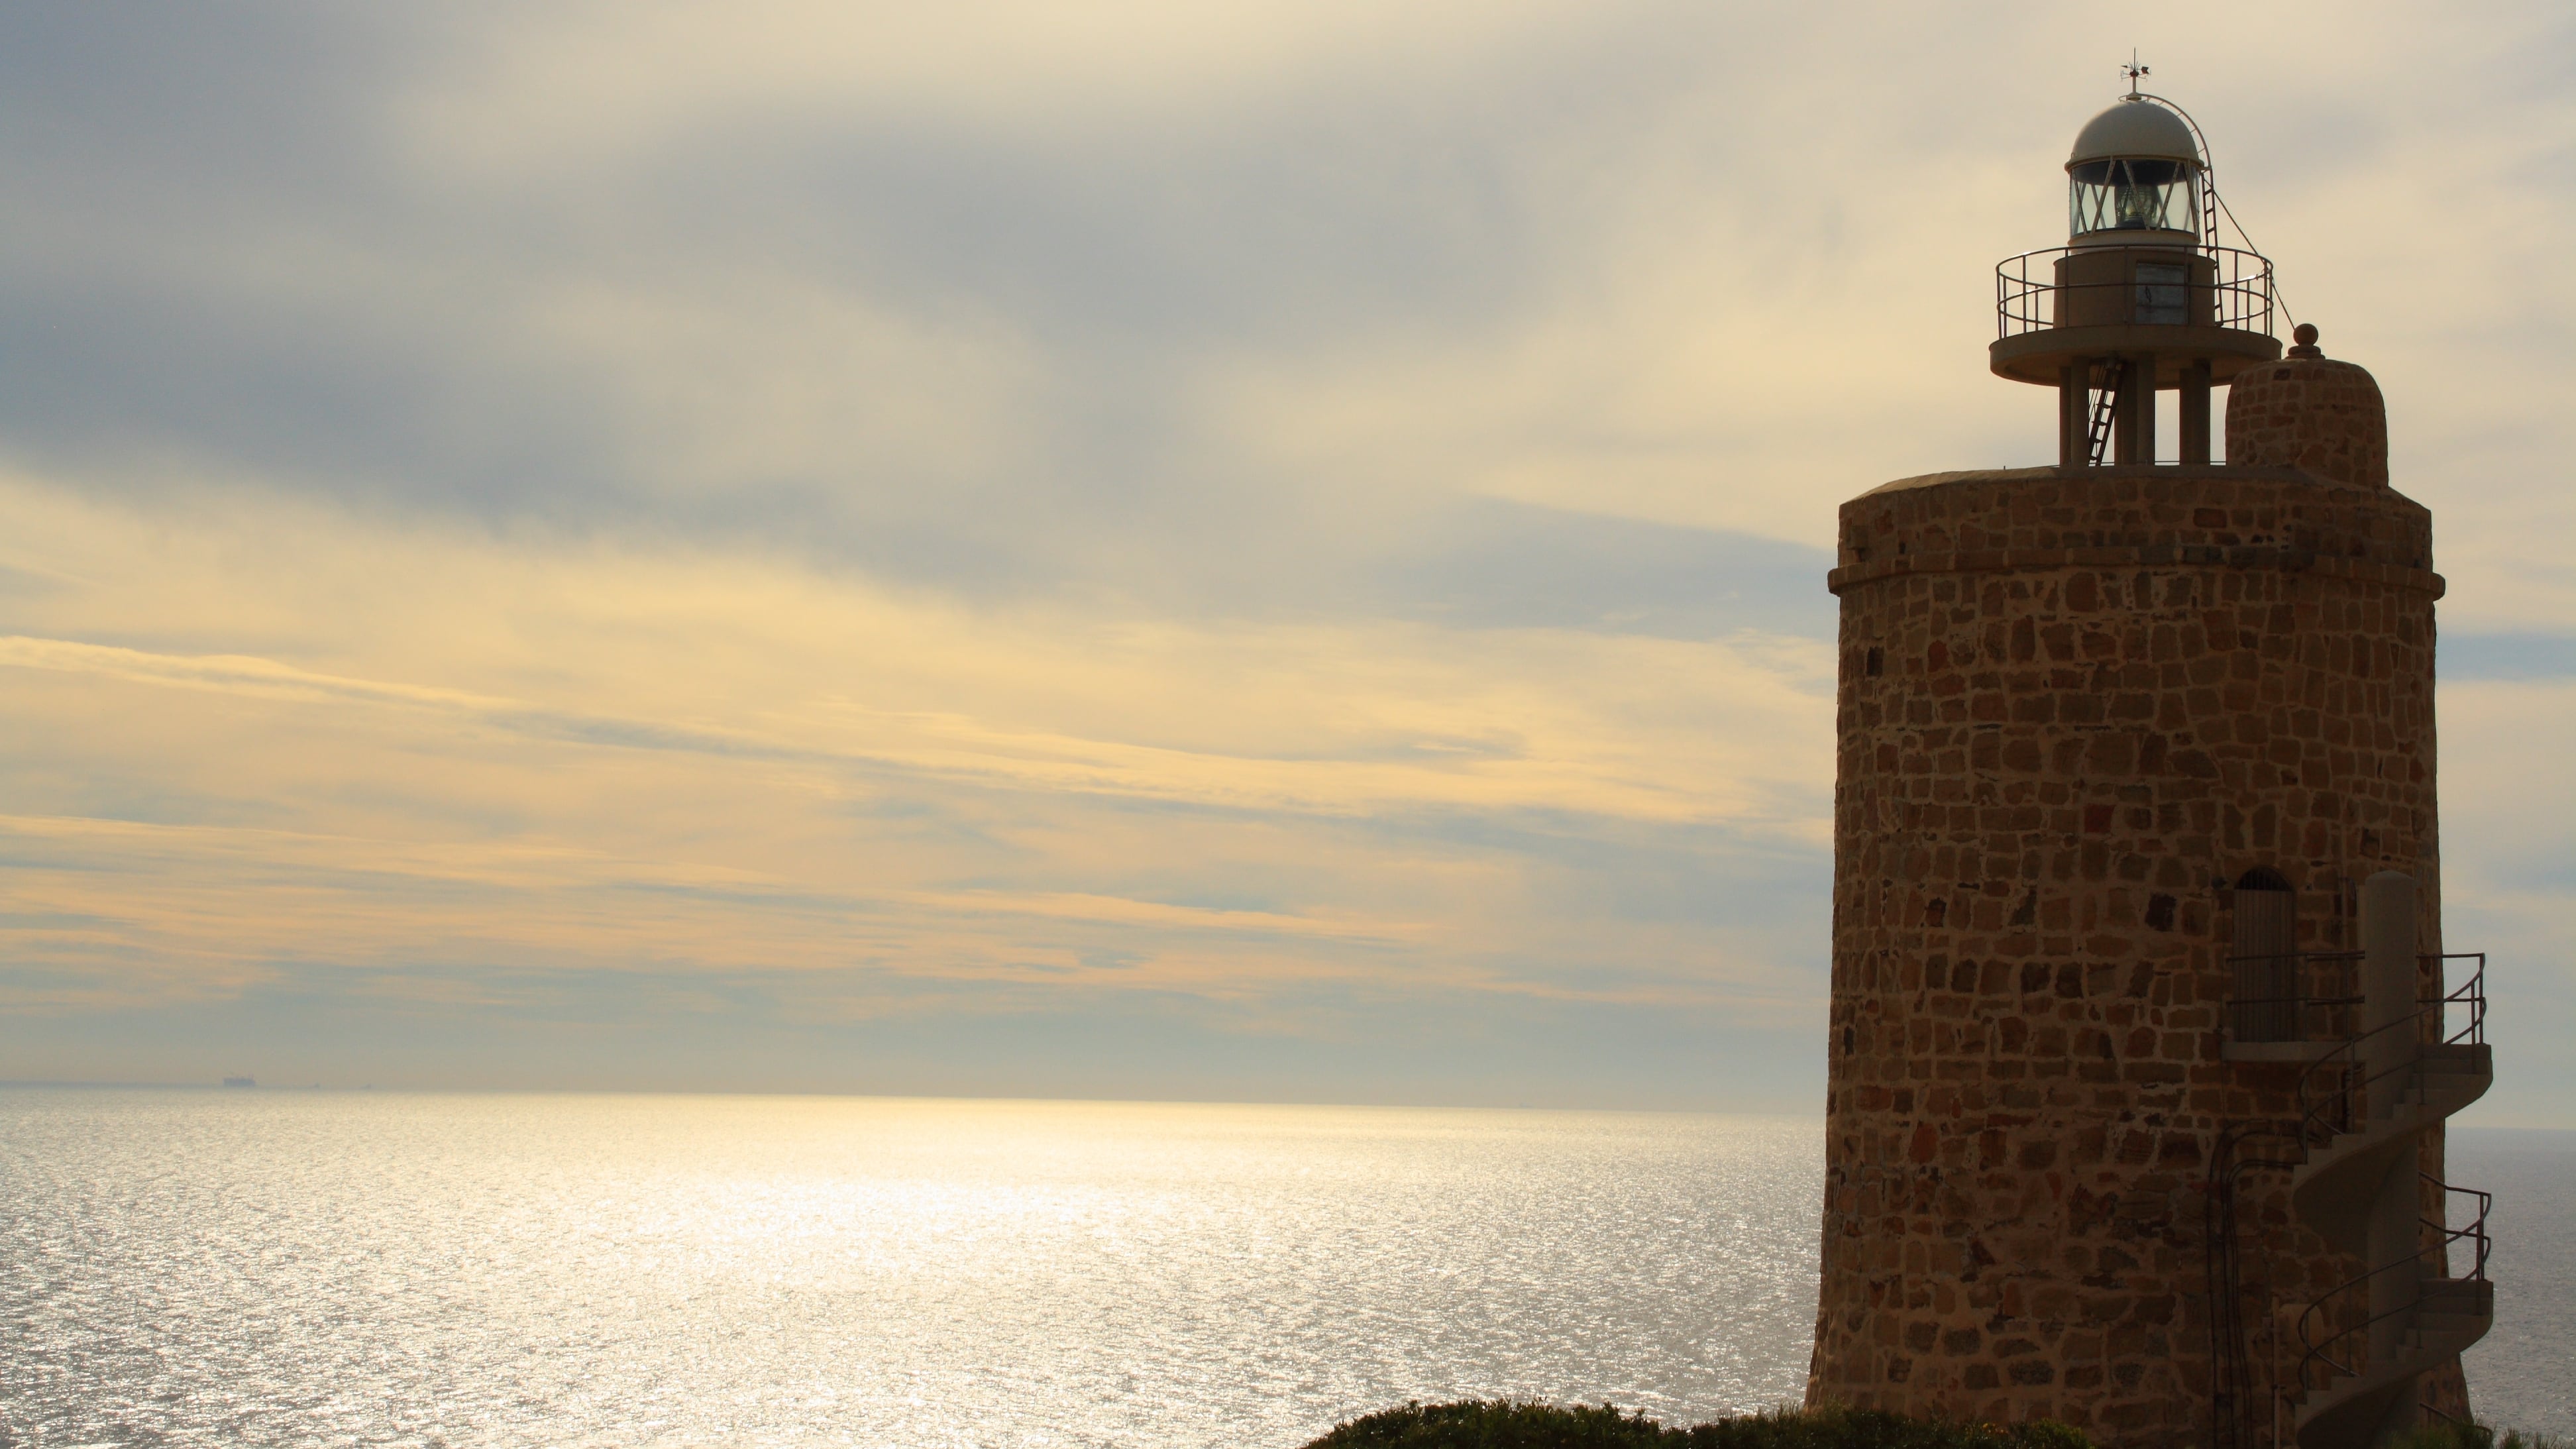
(2162,514)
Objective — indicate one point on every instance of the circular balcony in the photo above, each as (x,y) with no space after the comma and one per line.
(2178,305)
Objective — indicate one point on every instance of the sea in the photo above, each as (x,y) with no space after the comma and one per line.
(257,1267)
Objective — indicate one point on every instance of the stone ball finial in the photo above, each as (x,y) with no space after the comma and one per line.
(2309,411)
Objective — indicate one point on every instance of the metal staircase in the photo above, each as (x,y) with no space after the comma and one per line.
(2366,1103)
(2369,1341)
(2351,1149)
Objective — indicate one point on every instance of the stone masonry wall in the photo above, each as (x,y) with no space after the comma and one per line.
(2073,709)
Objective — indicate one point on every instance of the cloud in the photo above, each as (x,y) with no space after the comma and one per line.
(1262,509)
(2509,880)
(467,756)
(230,672)
(2467,657)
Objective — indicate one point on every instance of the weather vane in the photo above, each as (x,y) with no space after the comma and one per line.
(2135,72)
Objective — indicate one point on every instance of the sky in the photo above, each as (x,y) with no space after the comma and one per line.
(1232,551)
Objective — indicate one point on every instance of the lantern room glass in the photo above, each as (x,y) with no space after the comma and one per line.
(2128,194)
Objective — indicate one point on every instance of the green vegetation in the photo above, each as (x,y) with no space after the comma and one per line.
(1499,1424)
(2476,1436)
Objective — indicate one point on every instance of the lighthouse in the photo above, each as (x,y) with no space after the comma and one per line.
(2143,1032)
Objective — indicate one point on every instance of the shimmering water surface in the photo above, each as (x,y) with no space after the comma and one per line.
(270,1267)
(2523,1373)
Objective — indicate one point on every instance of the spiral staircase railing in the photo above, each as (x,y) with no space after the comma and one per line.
(2329,1112)
(2331,1352)
(2351,1115)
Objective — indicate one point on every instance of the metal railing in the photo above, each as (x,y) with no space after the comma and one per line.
(2238,294)
(2329,1110)
(2239,1383)
(2310,998)
(2297,996)
(2333,1352)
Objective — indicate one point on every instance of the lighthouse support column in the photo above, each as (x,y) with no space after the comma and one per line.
(2192,412)
(2134,430)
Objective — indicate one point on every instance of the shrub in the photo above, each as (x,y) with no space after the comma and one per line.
(1500,1424)
(2474,1436)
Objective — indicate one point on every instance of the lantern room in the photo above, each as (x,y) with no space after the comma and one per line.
(2135,172)
(2140,300)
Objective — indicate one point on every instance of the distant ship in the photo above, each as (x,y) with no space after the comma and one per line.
(239,1082)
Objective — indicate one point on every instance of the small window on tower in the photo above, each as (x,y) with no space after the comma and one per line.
(2263,948)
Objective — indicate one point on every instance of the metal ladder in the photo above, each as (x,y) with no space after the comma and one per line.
(2106,406)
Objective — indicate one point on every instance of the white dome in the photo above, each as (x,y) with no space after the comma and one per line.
(2135,128)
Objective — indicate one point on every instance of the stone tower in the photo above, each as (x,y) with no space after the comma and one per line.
(2142,1035)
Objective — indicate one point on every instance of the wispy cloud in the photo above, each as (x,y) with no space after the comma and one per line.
(233,673)
(661,760)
